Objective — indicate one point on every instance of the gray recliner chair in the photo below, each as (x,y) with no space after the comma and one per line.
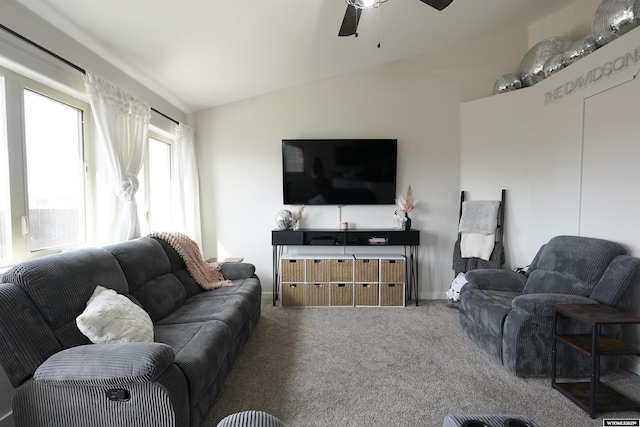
(510,314)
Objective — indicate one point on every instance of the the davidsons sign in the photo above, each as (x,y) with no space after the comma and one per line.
(620,63)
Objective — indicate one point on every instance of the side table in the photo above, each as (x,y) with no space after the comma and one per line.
(593,395)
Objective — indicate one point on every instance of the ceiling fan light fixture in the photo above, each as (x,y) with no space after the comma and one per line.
(365,4)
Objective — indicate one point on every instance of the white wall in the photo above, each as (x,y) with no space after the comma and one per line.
(567,154)
(416,101)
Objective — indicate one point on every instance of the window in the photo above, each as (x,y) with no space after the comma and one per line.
(55,165)
(55,184)
(5,198)
(159,185)
(43,179)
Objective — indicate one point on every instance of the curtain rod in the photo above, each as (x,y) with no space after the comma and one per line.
(66,61)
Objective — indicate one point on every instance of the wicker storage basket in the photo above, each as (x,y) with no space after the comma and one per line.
(341,270)
(392,270)
(292,270)
(392,294)
(317,270)
(342,294)
(316,294)
(366,293)
(292,294)
(366,270)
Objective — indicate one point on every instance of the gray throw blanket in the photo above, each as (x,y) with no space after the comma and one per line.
(479,216)
(462,265)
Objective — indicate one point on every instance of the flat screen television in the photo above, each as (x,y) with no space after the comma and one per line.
(339,171)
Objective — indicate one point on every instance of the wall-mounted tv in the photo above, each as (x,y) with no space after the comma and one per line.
(339,171)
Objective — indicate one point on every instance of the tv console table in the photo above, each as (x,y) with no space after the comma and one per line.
(410,239)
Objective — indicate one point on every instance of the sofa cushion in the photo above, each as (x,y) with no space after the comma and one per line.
(179,269)
(200,352)
(543,304)
(619,282)
(148,272)
(141,260)
(160,296)
(503,297)
(27,340)
(113,318)
(583,258)
(232,305)
(60,286)
(554,282)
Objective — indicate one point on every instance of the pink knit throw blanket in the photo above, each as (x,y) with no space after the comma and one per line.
(206,274)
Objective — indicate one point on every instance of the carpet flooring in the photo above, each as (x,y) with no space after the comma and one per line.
(395,366)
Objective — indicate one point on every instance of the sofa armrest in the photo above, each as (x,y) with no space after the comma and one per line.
(496,279)
(106,364)
(542,304)
(237,270)
(124,385)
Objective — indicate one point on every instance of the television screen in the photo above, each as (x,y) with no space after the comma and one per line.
(339,171)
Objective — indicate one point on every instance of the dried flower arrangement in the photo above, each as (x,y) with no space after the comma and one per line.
(298,215)
(406,203)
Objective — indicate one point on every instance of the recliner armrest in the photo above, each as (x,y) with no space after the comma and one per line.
(542,304)
(106,364)
(496,279)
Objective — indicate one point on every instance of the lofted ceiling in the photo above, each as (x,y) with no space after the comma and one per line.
(200,54)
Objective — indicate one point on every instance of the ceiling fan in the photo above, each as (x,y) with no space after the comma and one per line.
(351,18)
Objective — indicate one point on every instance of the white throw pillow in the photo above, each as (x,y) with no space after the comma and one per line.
(113,318)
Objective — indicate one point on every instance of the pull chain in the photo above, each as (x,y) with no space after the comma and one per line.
(378,26)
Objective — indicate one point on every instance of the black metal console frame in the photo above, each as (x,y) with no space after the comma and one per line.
(410,239)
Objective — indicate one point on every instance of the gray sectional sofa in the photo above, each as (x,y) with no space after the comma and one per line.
(63,379)
(510,315)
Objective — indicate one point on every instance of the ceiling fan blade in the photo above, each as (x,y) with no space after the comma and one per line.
(350,21)
(437,4)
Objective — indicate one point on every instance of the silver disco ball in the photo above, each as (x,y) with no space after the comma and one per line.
(581,48)
(506,83)
(284,220)
(554,64)
(614,18)
(532,65)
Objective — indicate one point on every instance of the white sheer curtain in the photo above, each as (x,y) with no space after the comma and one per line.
(186,186)
(123,125)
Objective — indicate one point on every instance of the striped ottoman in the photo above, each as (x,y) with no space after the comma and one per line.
(250,419)
(506,420)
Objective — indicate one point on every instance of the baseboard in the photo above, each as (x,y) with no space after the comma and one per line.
(7,420)
(631,363)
